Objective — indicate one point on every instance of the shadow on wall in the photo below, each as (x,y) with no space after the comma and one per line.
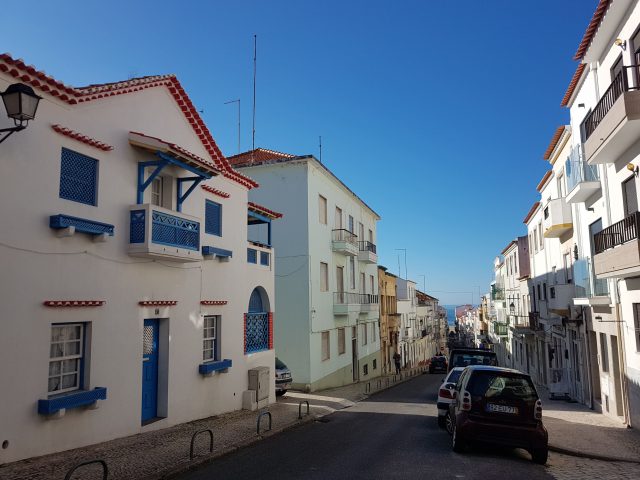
(633,382)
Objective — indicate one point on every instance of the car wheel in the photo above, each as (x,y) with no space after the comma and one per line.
(540,456)
(449,423)
(441,421)
(457,444)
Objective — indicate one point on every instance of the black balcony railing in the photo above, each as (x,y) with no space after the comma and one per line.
(619,85)
(534,324)
(343,235)
(367,247)
(617,234)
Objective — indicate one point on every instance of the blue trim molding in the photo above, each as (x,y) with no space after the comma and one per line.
(76,399)
(218,252)
(83,225)
(210,367)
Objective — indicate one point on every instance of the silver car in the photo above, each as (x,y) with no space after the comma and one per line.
(283,378)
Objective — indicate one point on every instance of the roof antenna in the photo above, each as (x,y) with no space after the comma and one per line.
(238,102)
(320,139)
(255,54)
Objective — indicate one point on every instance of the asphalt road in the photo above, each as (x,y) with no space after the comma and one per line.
(393,434)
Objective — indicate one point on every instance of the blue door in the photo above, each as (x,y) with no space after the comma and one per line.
(150,370)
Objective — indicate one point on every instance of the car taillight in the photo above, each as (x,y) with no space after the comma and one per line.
(466,402)
(445,393)
(537,413)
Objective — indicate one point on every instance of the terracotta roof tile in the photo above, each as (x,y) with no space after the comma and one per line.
(254,207)
(257,156)
(572,85)
(81,138)
(72,95)
(591,29)
(512,242)
(533,209)
(544,180)
(554,141)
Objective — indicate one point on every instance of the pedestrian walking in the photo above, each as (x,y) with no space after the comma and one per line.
(396,359)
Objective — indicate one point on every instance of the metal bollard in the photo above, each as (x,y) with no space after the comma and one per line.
(193,439)
(105,470)
(300,408)
(262,415)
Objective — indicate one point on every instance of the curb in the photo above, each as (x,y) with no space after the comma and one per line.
(593,456)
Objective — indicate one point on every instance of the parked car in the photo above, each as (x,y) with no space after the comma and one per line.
(283,378)
(464,357)
(498,406)
(438,364)
(445,397)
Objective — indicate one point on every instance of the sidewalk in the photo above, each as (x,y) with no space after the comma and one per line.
(165,453)
(576,430)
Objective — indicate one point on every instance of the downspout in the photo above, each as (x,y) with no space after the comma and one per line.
(623,361)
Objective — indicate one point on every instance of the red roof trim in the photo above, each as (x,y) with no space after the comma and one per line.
(82,138)
(215,191)
(531,212)
(37,79)
(213,302)
(554,141)
(74,303)
(591,29)
(544,180)
(573,84)
(257,156)
(254,207)
(512,242)
(157,303)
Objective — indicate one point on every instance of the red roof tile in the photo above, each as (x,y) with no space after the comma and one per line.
(73,95)
(215,191)
(591,29)
(512,242)
(257,156)
(572,85)
(531,212)
(81,138)
(554,142)
(254,207)
(544,180)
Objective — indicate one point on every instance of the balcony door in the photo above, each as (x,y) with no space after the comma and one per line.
(352,228)
(338,219)
(630,196)
(340,282)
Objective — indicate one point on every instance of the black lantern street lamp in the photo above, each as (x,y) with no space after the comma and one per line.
(21,104)
(512,307)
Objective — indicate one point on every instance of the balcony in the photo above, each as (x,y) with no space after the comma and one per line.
(497,292)
(156,232)
(259,254)
(612,126)
(617,250)
(368,303)
(523,323)
(345,242)
(583,180)
(557,218)
(589,290)
(500,329)
(367,252)
(345,303)
(560,297)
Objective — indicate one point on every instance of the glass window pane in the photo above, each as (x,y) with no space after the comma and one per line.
(69,381)
(72,348)
(54,368)
(56,350)
(75,332)
(56,334)
(208,344)
(207,355)
(69,366)
(54,384)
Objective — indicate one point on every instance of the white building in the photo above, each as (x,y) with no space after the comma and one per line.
(127,301)
(327,331)
(602,99)
(412,348)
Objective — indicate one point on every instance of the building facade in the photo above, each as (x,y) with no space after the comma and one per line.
(389,318)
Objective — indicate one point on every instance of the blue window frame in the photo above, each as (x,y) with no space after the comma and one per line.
(78,177)
(213,218)
(252,255)
(264,258)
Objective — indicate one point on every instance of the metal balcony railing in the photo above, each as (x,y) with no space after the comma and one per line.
(343,235)
(619,85)
(617,234)
(366,246)
(368,299)
(343,298)
(171,230)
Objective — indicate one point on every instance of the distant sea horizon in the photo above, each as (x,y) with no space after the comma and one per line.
(451,314)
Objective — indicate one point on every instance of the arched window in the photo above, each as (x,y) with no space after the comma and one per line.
(255,302)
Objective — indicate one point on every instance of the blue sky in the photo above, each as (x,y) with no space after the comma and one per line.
(436,113)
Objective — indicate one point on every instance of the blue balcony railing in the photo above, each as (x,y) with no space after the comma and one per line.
(587,285)
(166,229)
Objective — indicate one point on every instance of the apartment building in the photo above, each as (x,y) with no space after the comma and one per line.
(128,304)
(389,318)
(408,344)
(327,331)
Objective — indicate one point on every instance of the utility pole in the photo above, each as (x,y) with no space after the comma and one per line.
(255,65)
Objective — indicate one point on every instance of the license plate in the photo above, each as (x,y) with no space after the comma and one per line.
(492,407)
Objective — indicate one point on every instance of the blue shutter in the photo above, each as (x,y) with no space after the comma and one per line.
(78,177)
(213,218)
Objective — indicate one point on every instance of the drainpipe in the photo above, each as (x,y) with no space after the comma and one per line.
(587,343)
(623,360)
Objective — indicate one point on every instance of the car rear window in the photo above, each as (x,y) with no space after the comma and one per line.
(280,365)
(493,385)
(466,359)
(454,376)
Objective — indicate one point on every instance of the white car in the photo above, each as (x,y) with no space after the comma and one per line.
(445,395)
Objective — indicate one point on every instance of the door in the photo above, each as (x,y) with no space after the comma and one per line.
(338,219)
(630,196)
(150,370)
(340,284)
(354,352)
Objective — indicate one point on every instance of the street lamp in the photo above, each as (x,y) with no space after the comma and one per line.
(512,308)
(21,104)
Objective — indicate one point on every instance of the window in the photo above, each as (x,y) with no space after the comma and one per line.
(338,218)
(326,354)
(363,288)
(364,334)
(539,296)
(352,272)
(373,332)
(540,236)
(535,239)
(322,209)
(341,343)
(372,290)
(157,191)
(66,357)
(264,258)
(210,338)
(213,218)
(567,267)
(365,369)
(636,324)
(375,364)
(351,226)
(324,277)
(531,243)
(515,261)
(544,290)
(630,196)
(370,235)
(252,255)
(361,232)
(604,352)
(78,177)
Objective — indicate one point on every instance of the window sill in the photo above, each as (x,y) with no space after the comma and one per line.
(208,368)
(67,225)
(80,398)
